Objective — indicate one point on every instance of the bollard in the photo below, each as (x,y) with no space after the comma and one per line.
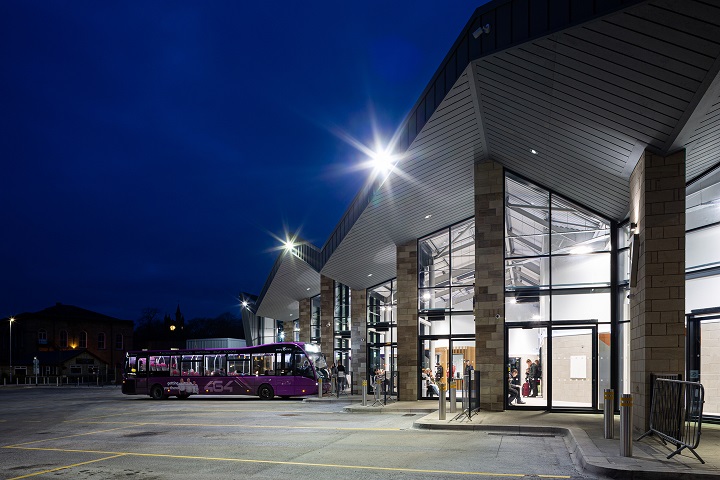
(609,413)
(57,381)
(319,387)
(364,389)
(453,397)
(441,401)
(626,425)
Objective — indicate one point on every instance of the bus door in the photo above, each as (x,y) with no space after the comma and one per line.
(141,380)
(284,369)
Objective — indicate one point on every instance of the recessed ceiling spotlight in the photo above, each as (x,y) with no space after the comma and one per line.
(308,289)
(533,151)
(427,216)
(369,274)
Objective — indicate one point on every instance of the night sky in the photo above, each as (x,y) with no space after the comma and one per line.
(151,152)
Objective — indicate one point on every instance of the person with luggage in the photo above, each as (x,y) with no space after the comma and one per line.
(531,378)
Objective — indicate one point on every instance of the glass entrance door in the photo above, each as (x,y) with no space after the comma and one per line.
(526,357)
(574,367)
(703,354)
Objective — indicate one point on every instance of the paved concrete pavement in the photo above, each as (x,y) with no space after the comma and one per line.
(583,433)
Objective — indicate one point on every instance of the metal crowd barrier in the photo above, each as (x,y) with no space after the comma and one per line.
(470,396)
(676,414)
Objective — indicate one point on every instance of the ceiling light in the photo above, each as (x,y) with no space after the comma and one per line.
(369,274)
(308,289)
(427,216)
(427,296)
(536,317)
(534,152)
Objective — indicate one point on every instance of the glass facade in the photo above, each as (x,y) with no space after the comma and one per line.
(702,273)
(341,325)
(558,308)
(446,321)
(315,319)
(382,334)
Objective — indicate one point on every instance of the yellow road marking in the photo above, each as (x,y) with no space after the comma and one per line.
(174,424)
(67,466)
(277,462)
(68,436)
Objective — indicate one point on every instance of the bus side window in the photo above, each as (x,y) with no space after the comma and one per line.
(141,365)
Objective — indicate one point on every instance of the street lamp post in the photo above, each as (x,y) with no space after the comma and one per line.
(10,350)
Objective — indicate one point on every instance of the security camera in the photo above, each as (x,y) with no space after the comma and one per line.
(497,316)
(481,30)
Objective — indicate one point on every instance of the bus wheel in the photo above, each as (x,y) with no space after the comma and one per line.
(156,392)
(265,392)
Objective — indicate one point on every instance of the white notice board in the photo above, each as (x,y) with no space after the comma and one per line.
(578,366)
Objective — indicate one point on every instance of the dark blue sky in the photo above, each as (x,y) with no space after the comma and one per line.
(150,150)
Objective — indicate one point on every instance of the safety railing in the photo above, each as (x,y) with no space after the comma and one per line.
(676,414)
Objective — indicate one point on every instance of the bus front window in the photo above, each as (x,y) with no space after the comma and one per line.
(318,359)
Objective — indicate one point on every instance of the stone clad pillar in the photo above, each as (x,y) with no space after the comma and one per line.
(657,301)
(490,284)
(288,327)
(304,319)
(358,315)
(407,321)
(326,318)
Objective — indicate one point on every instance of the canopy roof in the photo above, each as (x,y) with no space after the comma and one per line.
(568,94)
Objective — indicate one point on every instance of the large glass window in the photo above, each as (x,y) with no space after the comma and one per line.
(341,326)
(558,275)
(315,319)
(382,333)
(446,290)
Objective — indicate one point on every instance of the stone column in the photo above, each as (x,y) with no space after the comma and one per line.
(288,326)
(490,284)
(407,321)
(326,318)
(304,319)
(657,301)
(358,315)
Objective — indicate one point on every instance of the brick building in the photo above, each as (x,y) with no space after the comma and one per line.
(67,341)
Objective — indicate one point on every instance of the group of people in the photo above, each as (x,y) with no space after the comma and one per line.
(533,375)
(337,371)
(430,381)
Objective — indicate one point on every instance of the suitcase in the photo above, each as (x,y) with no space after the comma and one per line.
(526,389)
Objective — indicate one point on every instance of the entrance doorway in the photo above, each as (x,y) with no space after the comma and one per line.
(568,372)
(526,342)
(574,367)
(703,352)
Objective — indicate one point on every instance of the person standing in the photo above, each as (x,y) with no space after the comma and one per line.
(531,377)
(341,377)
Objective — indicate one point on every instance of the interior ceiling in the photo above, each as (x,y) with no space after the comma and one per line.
(589,100)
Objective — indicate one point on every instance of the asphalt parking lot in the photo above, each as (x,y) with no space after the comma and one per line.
(99,433)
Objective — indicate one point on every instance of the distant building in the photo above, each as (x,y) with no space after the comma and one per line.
(67,341)
(200,343)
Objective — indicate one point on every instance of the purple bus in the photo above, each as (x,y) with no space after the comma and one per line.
(282,369)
